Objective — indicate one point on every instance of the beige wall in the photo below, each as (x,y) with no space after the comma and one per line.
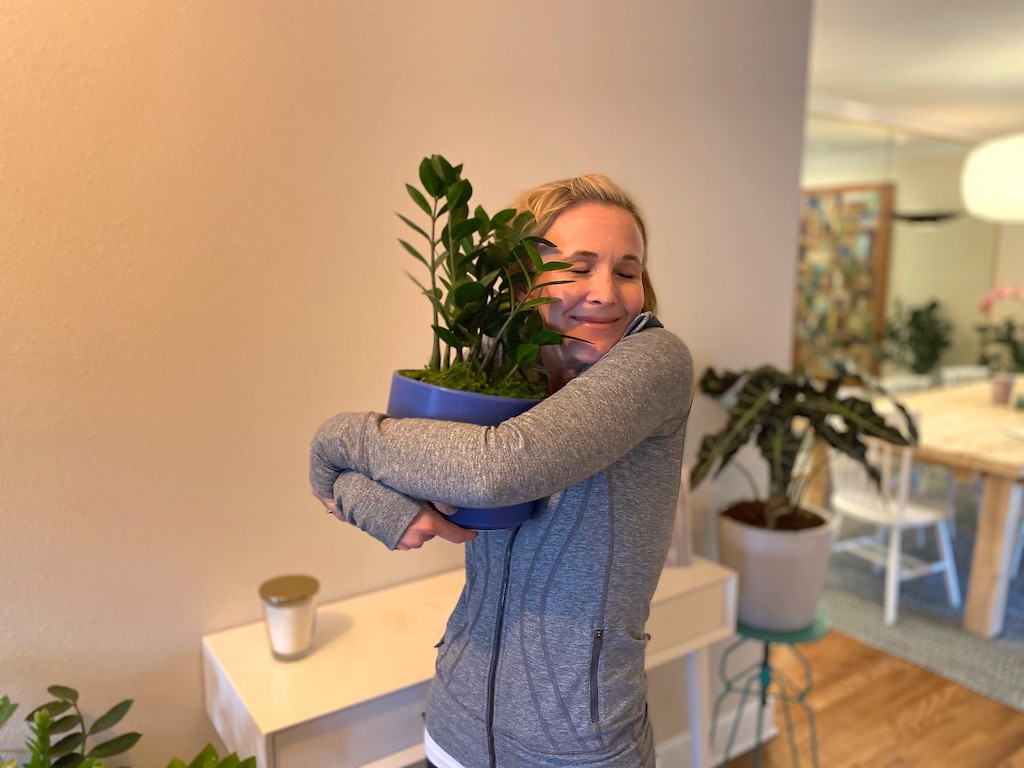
(198,264)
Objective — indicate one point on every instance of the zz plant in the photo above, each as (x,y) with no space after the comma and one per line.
(778,410)
(483,274)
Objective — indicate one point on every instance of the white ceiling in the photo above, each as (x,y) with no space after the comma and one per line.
(952,68)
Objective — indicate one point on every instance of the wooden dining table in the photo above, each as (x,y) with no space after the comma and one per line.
(963,429)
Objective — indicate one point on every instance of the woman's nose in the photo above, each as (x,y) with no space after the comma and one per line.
(601,289)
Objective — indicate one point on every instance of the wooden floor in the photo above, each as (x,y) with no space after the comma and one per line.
(877,711)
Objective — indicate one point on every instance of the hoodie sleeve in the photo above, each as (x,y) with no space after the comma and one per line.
(374,508)
(642,388)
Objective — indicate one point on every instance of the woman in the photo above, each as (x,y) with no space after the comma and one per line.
(542,661)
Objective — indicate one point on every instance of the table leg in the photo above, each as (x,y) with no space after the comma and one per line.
(698,697)
(998,526)
(816,489)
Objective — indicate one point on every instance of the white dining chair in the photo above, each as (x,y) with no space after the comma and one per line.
(951,375)
(906,382)
(891,508)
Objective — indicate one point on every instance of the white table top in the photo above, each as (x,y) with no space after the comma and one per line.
(402,624)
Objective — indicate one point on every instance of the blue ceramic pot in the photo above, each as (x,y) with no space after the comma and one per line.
(410,397)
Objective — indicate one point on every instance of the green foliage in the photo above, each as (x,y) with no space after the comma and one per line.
(915,337)
(777,410)
(70,751)
(483,275)
(62,717)
(1002,348)
(208,758)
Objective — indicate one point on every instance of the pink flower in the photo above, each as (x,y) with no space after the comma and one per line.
(1001,293)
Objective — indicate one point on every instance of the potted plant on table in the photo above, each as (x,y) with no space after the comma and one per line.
(779,548)
(915,337)
(483,275)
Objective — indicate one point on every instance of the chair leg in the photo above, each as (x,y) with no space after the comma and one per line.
(946,551)
(951,499)
(1017,552)
(892,575)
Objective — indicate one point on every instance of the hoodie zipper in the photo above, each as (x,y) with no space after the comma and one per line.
(595,662)
(496,648)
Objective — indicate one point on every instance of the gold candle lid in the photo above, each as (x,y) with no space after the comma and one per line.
(287,590)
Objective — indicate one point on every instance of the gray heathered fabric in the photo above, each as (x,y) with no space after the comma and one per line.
(606,451)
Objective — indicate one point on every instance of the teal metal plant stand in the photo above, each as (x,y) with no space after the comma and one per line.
(764,681)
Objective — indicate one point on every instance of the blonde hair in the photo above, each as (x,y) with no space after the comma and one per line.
(549,201)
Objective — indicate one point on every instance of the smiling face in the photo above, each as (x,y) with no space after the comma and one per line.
(604,247)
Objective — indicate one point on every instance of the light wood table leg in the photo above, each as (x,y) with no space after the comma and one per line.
(816,490)
(998,527)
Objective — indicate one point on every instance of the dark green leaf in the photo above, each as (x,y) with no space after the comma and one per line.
(527,353)
(415,226)
(111,718)
(419,199)
(446,336)
(466,292)
(70,742)
(552,266)
(459,194)
(464,228)
(415,254)
(7,709)
(429,178)
(115,746)
(545,336)
(70,761)
(54,708)
(445,170)
(66,723)
(539,301)
(63,693)
(503,217)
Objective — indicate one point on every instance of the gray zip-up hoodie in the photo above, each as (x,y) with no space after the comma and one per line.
(542,661)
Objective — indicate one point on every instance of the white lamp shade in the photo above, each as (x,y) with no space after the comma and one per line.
(992,182)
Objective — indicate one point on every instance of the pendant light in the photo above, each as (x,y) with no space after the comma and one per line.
(992,182)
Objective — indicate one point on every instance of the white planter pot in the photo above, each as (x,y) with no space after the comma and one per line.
(781,573)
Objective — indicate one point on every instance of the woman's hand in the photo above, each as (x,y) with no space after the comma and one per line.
(430,523)
(329,503)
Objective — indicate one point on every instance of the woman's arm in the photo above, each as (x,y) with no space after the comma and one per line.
(641,388)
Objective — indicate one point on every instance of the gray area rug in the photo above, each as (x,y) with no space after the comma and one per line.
(928,631)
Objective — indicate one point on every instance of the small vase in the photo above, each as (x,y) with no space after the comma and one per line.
(1002,388)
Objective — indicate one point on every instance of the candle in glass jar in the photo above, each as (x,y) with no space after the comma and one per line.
(289,609)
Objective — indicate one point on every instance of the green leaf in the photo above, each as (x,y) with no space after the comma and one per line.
(111,717)
(545,337)
(206,757)
(70,742)
(176,763)
(527,353)
(464,228)
(552,266)
(459,194)
(537,302)
(503,217)
(419,199)
(115,746)
(54,708)
(7,709)
(467,292)
(444,170)
(70,761)
(415,254)
(249,762)
(446,336)
(429,178)
(415,226)
(63,693)
(65,723)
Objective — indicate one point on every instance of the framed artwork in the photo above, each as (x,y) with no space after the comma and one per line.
(841,276)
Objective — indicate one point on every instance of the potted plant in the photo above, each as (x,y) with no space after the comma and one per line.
(780,549)
(59,736)
(483,274)
(915,337)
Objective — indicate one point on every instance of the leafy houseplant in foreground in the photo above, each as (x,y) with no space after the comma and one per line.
(483,276)
(778,410)
(54,718)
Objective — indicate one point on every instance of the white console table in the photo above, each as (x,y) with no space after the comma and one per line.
(359,696)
